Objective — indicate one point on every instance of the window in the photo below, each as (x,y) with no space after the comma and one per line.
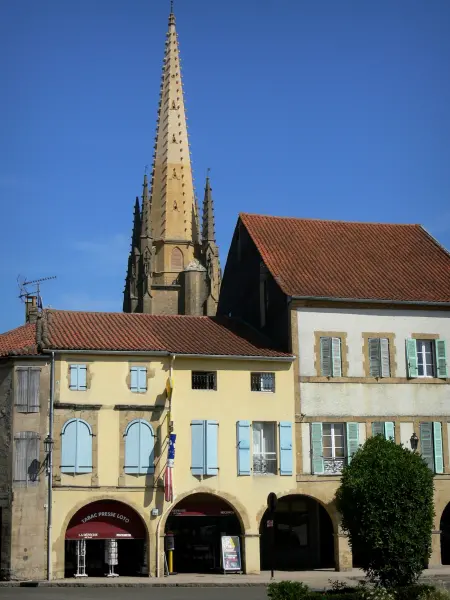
(76,447)
(138,379)
(176,260)
(26,458)
(27,389)
(431,446)
(379,357)
(426,358)
(78,377)
(332,445)
(264,448)
(204,440)
(139,448)
(204,380)
(261,454)
(330,357)
(384,428)
(262,382)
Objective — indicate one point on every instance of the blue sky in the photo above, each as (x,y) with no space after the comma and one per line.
(335,109)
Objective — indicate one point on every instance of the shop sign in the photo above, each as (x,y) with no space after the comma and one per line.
(105,520)
(231,553)
(201,511)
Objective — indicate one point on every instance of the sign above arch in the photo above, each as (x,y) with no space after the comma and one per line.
(105,520)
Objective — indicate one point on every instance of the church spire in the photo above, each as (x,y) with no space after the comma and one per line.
(146,229)
(208,232)
(131,293)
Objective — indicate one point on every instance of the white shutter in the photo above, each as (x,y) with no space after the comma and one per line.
(384,354)
(336,352)
(325,357)
(374,357)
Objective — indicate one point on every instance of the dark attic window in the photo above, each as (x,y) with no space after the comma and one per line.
(204,380)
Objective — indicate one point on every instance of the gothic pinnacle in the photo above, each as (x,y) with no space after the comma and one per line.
(208,233)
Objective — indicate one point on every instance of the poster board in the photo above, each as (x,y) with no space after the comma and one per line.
(231,553)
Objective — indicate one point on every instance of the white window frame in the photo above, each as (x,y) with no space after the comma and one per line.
(422,352)
(264,455)
(333,442)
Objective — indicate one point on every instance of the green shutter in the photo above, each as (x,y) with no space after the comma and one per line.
(389,430)
(374,357)
(352,440)
(326,368)
(441,359)
(411,357)
(336,354)
(317,449)
(384,357)
(426,443)
(438,455)
(377,428)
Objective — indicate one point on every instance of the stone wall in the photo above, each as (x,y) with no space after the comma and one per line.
(5,467)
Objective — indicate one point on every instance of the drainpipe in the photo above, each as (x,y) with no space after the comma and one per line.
(50,471)
(172,360)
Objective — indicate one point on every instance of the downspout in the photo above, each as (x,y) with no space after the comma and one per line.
(50,471)
(169,417)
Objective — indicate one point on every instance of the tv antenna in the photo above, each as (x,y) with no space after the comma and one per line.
(36,283)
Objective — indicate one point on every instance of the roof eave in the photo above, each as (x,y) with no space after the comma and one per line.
(371,301)
(167,353)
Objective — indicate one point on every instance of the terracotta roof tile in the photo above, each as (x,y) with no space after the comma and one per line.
(138,332)
(337,259)
(19,341)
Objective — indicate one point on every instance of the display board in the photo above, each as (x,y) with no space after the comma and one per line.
(231,553)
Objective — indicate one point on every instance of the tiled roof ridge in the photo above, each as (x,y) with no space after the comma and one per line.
(51,311)
(319,220)
(435,241)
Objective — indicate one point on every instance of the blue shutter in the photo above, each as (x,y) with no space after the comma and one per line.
(146,447)
(81,377)
(132,448)
(134,379)
(142,379)
(441,359)
(243,447)
(426,444)
(389,430)
(326,368)
(352,440)
(411,358)
(73,377)
(378,428)
(69,446)
(318,467)
(197,447)
(84,447)
(438,455)
(212,466)
(285,439)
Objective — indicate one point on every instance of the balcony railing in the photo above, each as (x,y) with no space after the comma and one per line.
(333,466)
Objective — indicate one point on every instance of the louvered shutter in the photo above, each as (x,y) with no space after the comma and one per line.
(21,396)
(146,447)
(84,447)
(33,389)
(378,428)
(374,357)
(317,449)
(326,368)
(243,447)
(142,379)
(197,447)
(82,371)
(69,446)
(73,377)
(285,442)
(441,359)
(336,353)
(352,440)
(212,464)
(389,430)
(20,458)
(132,448)
(411,357)
(134,384)
(33,464)
(438,454)
(426,444)
(384,356)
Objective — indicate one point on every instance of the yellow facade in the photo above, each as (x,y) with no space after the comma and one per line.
(108,405)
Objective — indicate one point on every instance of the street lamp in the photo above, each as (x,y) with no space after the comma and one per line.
(414,440)
(48,445)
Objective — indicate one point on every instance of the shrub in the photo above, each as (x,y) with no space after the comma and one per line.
(386,502)
(288,590)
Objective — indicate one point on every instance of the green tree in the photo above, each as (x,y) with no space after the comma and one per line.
(386,502)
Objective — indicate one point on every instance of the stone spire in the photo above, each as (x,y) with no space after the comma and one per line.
(146,254)
(209,231)
(131,292)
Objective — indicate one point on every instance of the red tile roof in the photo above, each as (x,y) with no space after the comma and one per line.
(337,259)
(70,330)
(19,341)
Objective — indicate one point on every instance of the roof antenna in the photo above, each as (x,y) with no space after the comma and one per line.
(36,292)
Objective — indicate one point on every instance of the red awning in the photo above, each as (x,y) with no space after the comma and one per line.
(104,520)
(202,508)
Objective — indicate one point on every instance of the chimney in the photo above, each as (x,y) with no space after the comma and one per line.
(31,309)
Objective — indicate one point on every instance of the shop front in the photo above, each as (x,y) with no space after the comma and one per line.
(203,533)
(106,538)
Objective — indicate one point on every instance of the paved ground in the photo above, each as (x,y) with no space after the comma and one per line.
(168,593)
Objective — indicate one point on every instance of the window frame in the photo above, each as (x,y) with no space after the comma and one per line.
(206,374)
(29,407)
(139,369)
(25,437)
(259,376)
(264,454)
(77,388)
(342,335)
(423,353)
(333,441)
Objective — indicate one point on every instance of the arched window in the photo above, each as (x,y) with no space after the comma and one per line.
(176,260)
(139,447)
(76,447)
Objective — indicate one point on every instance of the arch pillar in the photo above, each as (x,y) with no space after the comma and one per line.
(435,558)
(343,557)
(251,561)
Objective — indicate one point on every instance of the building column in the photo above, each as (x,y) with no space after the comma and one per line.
(250,551)
(435,558)
(342,553)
